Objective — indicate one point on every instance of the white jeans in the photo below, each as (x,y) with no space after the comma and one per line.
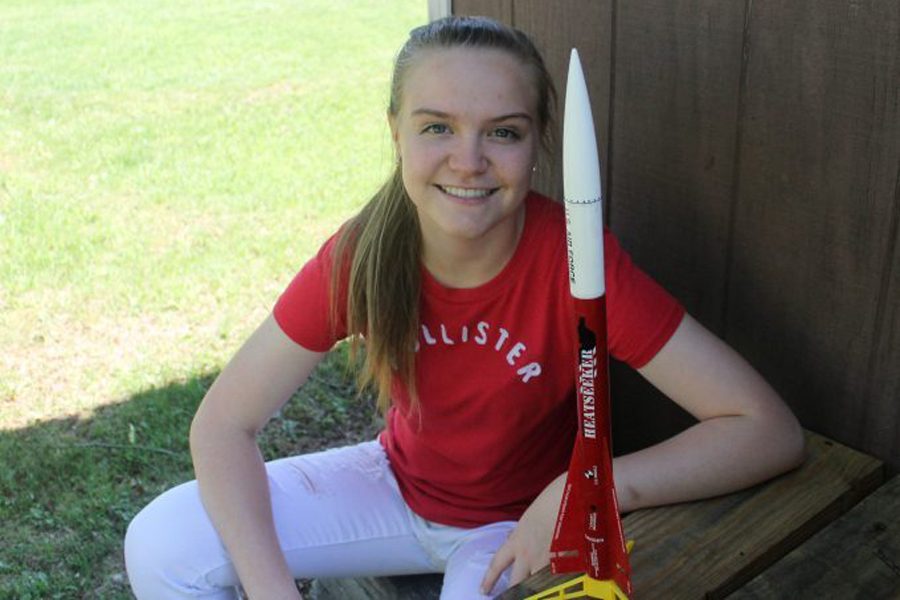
(338,513)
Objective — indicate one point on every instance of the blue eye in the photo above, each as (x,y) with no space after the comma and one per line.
(506,133)
(436,128)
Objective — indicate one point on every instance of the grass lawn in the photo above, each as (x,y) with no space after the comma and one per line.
(165,169)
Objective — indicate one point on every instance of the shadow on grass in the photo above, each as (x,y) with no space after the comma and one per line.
(69,486)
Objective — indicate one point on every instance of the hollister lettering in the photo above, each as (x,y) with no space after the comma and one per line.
(497,338)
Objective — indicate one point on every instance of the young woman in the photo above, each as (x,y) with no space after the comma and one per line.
(455,274)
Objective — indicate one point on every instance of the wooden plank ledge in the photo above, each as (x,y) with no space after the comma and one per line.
(709,548)
(857,556)
(407,587)
(703,549)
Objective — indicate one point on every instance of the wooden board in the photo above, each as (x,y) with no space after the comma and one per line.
(754,169)
(709,548)
(882,420)
(410,587)
(857,556)
(677,78)
(677,81)
(816,212)
(502,10)
(881,427)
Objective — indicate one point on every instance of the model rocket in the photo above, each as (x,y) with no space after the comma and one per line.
(588,537)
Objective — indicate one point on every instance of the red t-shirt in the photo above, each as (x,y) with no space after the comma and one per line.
(495,370)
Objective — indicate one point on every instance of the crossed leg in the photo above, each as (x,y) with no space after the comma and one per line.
(338,513)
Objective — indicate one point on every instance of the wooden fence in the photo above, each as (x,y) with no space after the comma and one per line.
(751,157)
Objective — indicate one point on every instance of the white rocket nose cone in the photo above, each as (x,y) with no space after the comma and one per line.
(581,164)
(581,189)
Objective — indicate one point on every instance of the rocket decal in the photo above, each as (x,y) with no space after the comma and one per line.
(588,536)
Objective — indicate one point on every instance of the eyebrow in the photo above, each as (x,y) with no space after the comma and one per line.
(442,115)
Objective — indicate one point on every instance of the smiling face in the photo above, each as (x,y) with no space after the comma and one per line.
(467,134)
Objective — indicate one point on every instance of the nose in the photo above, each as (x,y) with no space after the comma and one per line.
(467,155)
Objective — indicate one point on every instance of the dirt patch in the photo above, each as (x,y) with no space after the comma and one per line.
(55,365)
(7,163)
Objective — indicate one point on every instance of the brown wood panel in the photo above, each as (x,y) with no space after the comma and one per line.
(677,81)
(754,171)
(556,28)
(882,408)
(502,10)
(707,549)
(857,556)
(815,216)
(408,587)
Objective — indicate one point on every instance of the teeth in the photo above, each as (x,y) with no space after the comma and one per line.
(467,192)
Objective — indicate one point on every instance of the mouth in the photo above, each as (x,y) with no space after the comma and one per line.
(467,193)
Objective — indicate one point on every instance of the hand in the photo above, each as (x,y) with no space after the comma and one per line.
(527,548)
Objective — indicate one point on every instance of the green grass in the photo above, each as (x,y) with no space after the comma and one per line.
(165,168)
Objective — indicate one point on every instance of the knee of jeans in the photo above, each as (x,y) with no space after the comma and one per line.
(145,556)
(173,551)
(157,557)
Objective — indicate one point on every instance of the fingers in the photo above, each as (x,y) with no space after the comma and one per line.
(520,571)
(502,559)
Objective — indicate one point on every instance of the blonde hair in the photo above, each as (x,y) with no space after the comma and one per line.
(377,252)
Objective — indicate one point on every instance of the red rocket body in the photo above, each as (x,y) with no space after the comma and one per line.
(588,536)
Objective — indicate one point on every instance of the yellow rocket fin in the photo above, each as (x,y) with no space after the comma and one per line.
(582,587)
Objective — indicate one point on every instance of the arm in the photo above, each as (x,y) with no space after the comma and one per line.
(229,467)
(745,435)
